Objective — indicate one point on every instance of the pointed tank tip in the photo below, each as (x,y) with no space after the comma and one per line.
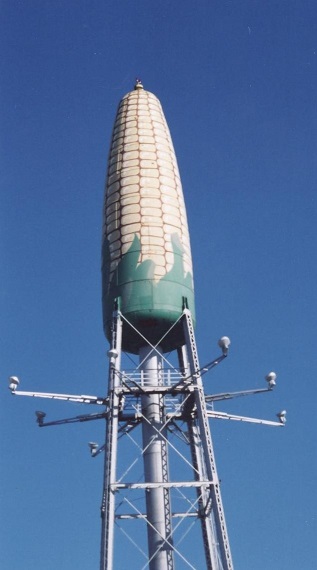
(138,84)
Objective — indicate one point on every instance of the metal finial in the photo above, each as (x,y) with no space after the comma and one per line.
(138,84)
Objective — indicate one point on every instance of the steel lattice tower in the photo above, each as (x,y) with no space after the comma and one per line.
(169,484)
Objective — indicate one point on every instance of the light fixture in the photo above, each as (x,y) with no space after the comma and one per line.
(13,383)
(282,416)
(40,417)
(112,353)
(224,343)
(93,448)
(271,379)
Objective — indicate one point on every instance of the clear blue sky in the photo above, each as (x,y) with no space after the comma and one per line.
(238,83)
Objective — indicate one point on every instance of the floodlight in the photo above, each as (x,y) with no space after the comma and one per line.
(112,353)
(93,448)
(40,417)
(224,343)
(13,383)
(270,378)
(282,416)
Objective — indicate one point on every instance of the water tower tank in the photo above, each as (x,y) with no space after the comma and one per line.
(146,258)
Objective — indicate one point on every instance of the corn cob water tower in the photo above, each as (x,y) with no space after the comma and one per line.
(161,491)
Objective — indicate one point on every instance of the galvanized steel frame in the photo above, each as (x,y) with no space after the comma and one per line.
(205,479)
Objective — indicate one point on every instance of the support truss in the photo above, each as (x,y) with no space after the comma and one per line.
(170,482)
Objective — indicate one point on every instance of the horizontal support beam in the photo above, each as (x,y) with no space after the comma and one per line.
(141,390)
(81,399)
(162,485)
(231,395)
(224,416)
(143,516)
(84,418)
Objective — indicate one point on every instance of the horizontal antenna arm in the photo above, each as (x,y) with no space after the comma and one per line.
(231,395)
(83,418)
(224,416)
(82,399)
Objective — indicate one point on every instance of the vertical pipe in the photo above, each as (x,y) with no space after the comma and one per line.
(153,445)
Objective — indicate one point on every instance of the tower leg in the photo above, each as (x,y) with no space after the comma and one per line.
(108,498)
(216,541)
(155,464)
